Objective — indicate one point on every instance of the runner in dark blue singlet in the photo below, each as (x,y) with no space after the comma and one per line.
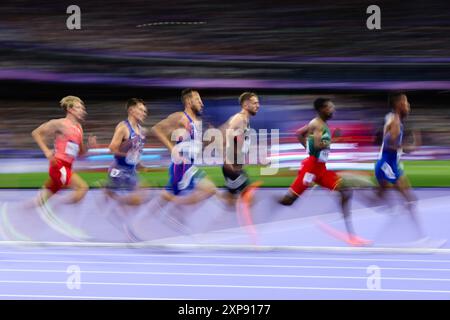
(181,133)
(127,146)
(388,168)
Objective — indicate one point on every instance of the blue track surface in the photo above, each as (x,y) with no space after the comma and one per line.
(120,273)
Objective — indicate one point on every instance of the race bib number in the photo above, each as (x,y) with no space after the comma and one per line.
(114,173)
(308,178)
(323,155)
(72,149)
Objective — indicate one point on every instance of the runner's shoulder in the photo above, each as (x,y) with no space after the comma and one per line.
(58,120)
(315,124)
(392,120)
(177,117)
(122,128)
(237,121)
(57,124)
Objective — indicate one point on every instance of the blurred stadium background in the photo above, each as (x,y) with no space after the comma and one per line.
(289,52)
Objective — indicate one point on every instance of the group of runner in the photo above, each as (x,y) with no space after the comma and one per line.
(188,183)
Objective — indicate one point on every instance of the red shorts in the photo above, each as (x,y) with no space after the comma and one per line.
(313,171)
(60,174)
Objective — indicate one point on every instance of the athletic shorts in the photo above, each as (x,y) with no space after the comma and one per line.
(235,181)
(313,171)
(183,177)
(60,174)
(389,171)
(122,178)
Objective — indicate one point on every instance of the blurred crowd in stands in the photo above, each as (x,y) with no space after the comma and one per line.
(287,49)
(360,116)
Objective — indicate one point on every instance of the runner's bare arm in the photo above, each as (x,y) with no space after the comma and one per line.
(417,142)
(119,135)
(393,126)
(163,129)
(92,143)
(234,137)
(336,135)
(301,134)
(44,131)
(140,167)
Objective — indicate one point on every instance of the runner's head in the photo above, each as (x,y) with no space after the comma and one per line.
(191,100)
(74,106)
(249,101)
(136,109)
(324,107)
(399,103)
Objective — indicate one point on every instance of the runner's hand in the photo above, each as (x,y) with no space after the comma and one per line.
(92,141)
(178,158)
(51,157)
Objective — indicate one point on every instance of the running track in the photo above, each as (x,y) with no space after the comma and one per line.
(293,269)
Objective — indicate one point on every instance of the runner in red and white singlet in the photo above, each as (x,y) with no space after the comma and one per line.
(68,145)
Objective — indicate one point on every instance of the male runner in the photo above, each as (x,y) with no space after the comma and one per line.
(180,133)
(387,168)
(127,145)
(316,138)
(237,145)
(68,144)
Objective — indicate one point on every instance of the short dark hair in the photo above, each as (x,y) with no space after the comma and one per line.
(246,96)
(395,97)
(319,103)
(133,102)
(187,93)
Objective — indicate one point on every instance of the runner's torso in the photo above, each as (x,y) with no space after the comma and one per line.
(245,147)
(68,141)
(133,147)
(190,145)
(392,150)
(320,154)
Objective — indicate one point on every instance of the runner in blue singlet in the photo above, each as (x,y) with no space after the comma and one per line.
(388,169)
(180,132)
(127,145)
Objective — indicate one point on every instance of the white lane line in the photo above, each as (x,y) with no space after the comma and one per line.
(216,265)
(197,274)
(245,248)
(139,284)
(5,295)
(180,256)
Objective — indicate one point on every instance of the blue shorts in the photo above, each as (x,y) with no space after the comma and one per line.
(387,171)
(122,178)
(183,177)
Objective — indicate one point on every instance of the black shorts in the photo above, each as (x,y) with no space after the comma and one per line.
(235,181)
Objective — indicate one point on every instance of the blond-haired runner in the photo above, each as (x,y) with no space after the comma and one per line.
(67,134)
